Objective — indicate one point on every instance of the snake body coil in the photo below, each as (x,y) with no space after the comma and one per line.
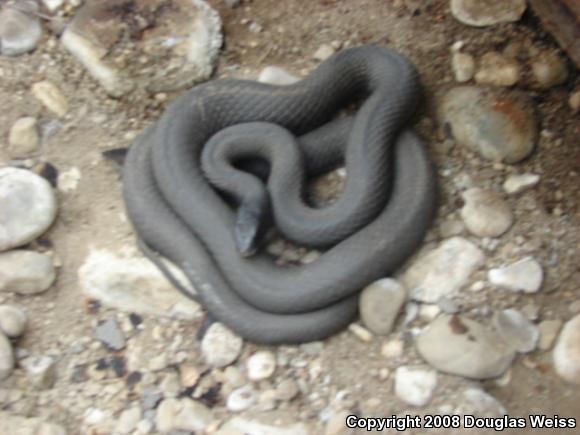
(380,218)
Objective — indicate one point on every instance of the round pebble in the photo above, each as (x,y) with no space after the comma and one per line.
(415,385)
(485,213)
(286,390)
(463,66)
(26,272)
(51,97)
(525,275)
(28,207)
(497,70)
(261,365)
(12,321)
(380,303)
(220,346)
(274,75)
(23,138)
(548,70)
(20,28)
(517,183)
(567,351)
(517,330)
(6,357)
(481,13)
(241,399)
(549,330)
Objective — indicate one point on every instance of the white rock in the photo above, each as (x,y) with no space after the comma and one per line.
(525,275)
(6,357)
(518,183)
(517,330)
(20,28)
(26,272)
(53,5)
(380,303)
(242,426)
(567,351)
(485,213)
(463,66)
(415,385)
(498,70)
(13,321)
(261,365)
(549,69)
(460,346)
(323,52)
(443,271)
(274,75)
(23,138)
(393,349)
(128,420)
(28,207)
(135,285)
(481,13)
(220,346)
(69,180)
(184,414)
(476,402)
(51,97)
(549,330)
(360,332)
(242,399)
(15,424)
(40,371)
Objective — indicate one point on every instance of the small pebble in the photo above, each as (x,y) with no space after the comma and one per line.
(323,52)
(574,101)
(393,349)
(261,365)
(286,390)
(566,352)
(241,399)
(548,70)
(26,272)
(6,357)
(480,13)
(380,304)
(220,346)
(128,420)
(463,66)
(51,97)
(360,332)
(20,28)
(549,330)
(498,70)
(525,275)
(415,385)
(53,5)
(516,330)
(110,334)
(274,75)
(13,321)
(485,213)
(518,183)
(23,138)
(40,371)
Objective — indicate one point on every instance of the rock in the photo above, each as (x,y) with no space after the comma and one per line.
(548,70)
(26,272)
(499,126)
(241,399)
(518,183)
(179,48)
(242,426)
(6,357)
(485,213)
(110,334)
(497,70)
(15,424)
(393,349)
(476,402)
(380,303)
(574,101)
(261,365)
(28,207)
(460,346)
(233,3)
(549,330)
(69,180)
(13,321)
(323,52)
(360,332)
(220,346)
(20,28)
(516,330)
(415,385)
(170,385)
(53,5)
(51,97)
(443,271)
(184,414)
(189,375)
(463,66)
(286,390)
(481,13)
(336,424)
(135,285)
(525,275)
(23,138)
(40,371)
(567,351)
(274,75)
(128,420)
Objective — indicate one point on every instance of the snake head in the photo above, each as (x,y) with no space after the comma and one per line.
(247,231)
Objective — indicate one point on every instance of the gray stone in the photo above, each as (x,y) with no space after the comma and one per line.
(380,303)
(6,357)
(220,346)
(110,334)
(261,365)
(243,426)
(516,330)
(566,352)
(183,414)
(499,126)
(51,97)
(548,70)
(28,207)
(463,347)
(286,390)
(415,385)
(242,399)
(40,371)
(518,183)
(13,321)
(26,272)
(443,271)
(481,13)
(525,275)
(549,330)
(463,66)
(135,285)
(23,138)
(497,70)
(274,75)
(485,213)
(20,28)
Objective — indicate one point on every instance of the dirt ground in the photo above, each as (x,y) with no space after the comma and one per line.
(92,216)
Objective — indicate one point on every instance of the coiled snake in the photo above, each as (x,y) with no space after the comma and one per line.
(380,218)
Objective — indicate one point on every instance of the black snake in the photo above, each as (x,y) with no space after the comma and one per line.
(378,221)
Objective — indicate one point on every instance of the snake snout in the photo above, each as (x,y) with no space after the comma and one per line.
(247,231)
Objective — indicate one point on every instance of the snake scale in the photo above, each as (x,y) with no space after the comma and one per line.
(387,204)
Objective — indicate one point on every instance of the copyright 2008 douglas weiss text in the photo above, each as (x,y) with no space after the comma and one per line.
(402,423)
